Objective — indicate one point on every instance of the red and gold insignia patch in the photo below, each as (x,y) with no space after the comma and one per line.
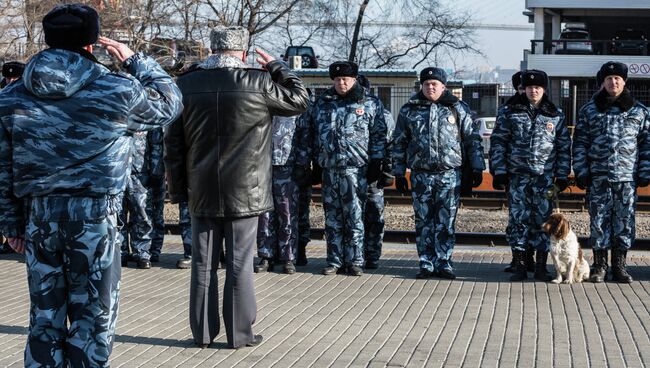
(360,111)
(549,127)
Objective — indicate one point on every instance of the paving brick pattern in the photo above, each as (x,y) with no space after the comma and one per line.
(386,318)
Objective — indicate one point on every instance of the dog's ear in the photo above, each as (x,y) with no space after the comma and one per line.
(562,228)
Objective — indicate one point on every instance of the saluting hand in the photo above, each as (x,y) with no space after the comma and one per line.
(263,58)
(117,49)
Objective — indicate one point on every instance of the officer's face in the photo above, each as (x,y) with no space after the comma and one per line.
(521,90)
(614,85)
(534,94)
(432,89)
(343,85)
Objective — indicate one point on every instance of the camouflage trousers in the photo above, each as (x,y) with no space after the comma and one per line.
(185,223)
(611,212)
(529,207)
(435,203)
(156,213)
(373,223)
(73,270)
(277,231)
(136,225)
(304,200)
(344,198)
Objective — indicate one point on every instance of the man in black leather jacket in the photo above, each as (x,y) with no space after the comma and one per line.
(218,156)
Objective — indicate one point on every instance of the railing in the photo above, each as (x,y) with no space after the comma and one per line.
(590,47)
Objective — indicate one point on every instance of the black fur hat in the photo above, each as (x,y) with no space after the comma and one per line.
(343,69)
(12,69)
(71,26)
(534,77)
(516,80)
(613,68)
(433,73)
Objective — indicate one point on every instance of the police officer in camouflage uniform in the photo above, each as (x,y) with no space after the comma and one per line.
(519,90)
(611,153)
(373,220)
(156,191)
(136,225)
(64,154)
(11,72)
(433,136)
(349,134)
(530,155)
(278,229)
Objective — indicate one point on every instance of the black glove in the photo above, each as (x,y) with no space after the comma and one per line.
(500,181)
(642,182)
(386,180)
(374,171)
(561,184)
(316,174)
(301,175)
(401,184)
(477,178)
(582,182)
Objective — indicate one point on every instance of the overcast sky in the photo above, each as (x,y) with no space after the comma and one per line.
(501,48)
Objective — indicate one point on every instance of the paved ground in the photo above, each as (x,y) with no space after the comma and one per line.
(385,318)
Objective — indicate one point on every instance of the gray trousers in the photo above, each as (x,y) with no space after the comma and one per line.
(239,304)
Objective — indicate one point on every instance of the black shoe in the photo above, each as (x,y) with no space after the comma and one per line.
(530,260)
(355,270)
(519,272)
(541,272)
(184,263)
(265,265)
(144,264)
(619,267)
(599,269)
(424,274)
(372,265)
(203,346)
(289,268)
(330,270)
(446,274)
(155,258)
(510,268)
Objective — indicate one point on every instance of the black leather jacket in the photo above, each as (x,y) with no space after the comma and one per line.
(218,153)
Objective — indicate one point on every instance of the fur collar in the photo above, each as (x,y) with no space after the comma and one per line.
(446,99)
(520,102)
(222,61)
(604,101)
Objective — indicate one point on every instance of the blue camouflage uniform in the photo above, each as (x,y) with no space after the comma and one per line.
(278,229)
(156,189)
(532,147)
(185,223)
(373,220)
(433,139)
(136,225)
(347,133)
(611,149)
(64,157)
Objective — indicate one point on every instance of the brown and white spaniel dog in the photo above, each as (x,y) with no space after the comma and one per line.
(570,263)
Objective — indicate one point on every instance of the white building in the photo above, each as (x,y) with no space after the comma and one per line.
(572,59)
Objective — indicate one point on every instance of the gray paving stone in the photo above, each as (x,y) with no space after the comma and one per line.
(385,318)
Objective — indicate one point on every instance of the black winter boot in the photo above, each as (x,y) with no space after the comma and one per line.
(541,272)
(530,260)
(619,273)
(301,258)
(599,269)
(519,273)
(511,266)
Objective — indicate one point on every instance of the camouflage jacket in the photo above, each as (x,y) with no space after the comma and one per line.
(288,146)
(155,151)
(428,136)
(139,154)
(530,141)
(611,139)
(347,131)
(67,127)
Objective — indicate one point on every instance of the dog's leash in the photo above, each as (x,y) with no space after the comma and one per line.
(553,194)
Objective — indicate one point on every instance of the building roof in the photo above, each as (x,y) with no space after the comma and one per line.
(409,73)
